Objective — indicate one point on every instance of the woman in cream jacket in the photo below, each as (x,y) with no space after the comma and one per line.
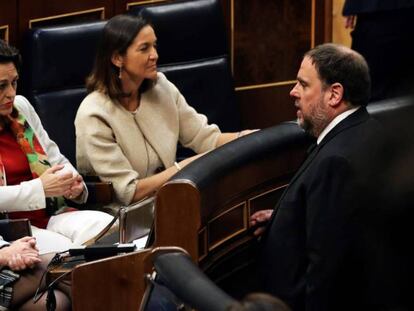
(128,127)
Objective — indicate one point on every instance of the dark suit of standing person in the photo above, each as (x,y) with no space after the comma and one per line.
(323,248)
(382,33)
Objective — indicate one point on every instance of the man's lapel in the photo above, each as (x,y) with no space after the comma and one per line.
(357,117)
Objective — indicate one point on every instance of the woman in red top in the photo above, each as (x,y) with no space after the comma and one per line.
(35,178)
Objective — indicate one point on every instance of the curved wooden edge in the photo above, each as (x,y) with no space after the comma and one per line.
(177,217)
(115,283)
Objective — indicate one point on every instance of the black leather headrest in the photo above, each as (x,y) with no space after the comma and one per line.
(208,87)
(59,57)
(194,28)
(395,108)
(192,48)
(57,110)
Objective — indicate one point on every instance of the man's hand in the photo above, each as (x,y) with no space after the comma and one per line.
(350,21)
(259,221)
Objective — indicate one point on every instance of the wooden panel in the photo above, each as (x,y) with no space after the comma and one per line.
(131,4)
(4,32)
(177,201)
(264,107)
(115,283)
(270,37)
(56,12)
(68,18)
(227,225)
(202,243)
(323,21)
(339,33)
(8,18)
(266,200)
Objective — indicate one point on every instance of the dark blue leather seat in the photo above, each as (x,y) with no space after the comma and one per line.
(57,61)
(193,54)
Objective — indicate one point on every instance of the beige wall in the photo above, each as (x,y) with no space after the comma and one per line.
(339,33)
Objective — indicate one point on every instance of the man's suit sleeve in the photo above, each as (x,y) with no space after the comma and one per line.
(330,208)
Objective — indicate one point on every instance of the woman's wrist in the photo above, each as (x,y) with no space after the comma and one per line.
(177,166)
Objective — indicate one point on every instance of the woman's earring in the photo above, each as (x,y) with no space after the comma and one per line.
(120,73)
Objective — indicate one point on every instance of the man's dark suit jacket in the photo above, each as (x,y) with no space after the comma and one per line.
(355,7)
(324,248)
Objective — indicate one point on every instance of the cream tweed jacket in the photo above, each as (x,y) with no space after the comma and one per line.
(110,141)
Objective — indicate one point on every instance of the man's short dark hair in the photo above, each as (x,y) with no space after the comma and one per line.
(338,64)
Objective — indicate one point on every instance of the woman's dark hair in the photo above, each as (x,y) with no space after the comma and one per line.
(9,54)
(117,36)
(335,63)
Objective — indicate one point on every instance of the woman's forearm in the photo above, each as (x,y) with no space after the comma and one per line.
(149,185)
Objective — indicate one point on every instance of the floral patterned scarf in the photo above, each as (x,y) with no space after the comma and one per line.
(34,152)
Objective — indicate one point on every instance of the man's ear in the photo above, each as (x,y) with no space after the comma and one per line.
(117,60)
(336,94)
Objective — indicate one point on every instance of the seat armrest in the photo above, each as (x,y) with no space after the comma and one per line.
(100,192)
(135,220)
(13,229)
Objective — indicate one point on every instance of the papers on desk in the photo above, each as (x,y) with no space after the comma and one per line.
(141,242)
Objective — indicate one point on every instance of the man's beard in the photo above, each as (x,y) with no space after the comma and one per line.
(306,125)
(316,121)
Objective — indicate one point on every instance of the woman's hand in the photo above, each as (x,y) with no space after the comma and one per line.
(21,254)
(76,188)
(55,183)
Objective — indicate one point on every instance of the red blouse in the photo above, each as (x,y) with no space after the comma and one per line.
(17,170)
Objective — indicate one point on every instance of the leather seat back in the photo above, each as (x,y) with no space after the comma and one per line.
(193,54)
(57,61)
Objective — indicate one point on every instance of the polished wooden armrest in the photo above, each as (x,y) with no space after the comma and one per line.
(100,192)
(13,229)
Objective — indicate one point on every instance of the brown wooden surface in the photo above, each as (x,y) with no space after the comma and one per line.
(52,12)
(266,107)
(8,18)
(212,222)
(215,218)
(266,41)
(177,217)
(323,21)
(270,38)
(115,283)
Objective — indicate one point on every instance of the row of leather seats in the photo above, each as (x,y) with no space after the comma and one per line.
(193,54)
